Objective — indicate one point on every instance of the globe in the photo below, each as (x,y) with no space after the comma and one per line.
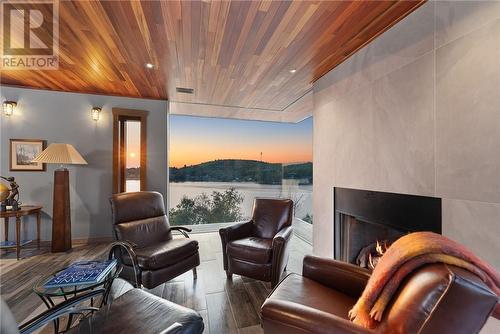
(4,192)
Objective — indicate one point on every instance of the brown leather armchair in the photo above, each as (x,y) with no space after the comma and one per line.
(139,218)
(436,298)
(259,248)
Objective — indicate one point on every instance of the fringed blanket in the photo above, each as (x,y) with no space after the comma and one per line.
(405,255)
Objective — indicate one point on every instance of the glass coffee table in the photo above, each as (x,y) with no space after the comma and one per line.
(51,297)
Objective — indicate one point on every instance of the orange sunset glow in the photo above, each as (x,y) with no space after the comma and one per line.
(192,154)
(194,140)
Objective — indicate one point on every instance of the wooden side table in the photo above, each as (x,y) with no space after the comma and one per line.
(24,211)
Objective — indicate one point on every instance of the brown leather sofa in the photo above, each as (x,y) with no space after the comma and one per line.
(259,248)
(140,219)
(436,298)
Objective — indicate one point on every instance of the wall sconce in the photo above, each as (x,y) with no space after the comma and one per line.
(96,111)
(8,107)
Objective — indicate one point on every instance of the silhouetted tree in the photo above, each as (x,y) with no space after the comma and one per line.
(220,207)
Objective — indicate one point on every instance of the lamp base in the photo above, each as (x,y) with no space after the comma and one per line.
(61,217)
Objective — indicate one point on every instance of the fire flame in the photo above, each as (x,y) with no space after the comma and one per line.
(380,248)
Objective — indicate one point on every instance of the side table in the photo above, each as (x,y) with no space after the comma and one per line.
(49,295)
(24,211)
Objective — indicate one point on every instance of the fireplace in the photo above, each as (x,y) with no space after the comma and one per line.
(364,217)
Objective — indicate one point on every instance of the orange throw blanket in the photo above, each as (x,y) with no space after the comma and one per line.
(407,254)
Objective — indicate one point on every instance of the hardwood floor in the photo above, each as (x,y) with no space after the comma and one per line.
(227,306)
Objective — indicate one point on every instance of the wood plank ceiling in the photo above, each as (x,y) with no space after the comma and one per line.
(237,53)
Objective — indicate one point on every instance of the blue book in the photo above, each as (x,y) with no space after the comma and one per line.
(82,273)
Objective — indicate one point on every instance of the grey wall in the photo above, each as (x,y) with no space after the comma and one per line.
(417,111)
(65,117)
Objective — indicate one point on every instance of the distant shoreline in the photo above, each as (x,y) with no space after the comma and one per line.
(243,171)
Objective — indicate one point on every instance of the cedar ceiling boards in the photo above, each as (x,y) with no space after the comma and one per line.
(236,55)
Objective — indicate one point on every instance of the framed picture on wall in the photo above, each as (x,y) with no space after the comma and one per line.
(22,151)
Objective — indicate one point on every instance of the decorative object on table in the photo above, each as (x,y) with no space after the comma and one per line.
(9,198)
(22,153)
(8,107)
(25,210)
(82,273)
(62,154)
(4,191)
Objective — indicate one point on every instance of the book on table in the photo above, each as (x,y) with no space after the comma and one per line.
(82,273)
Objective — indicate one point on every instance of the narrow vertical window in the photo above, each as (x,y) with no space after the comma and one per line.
(129,150)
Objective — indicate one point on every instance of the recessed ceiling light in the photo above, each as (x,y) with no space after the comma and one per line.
(292,70)
(149,65)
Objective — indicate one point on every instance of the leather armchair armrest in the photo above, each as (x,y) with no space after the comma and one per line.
(233,232)
(117,248)
(236,231)
(281,251)
(341,276)
(283,315)
(283,235)
(182,230)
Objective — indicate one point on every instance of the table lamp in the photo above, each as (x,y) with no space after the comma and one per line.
(62,154)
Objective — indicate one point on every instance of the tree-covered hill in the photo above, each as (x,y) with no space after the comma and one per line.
(233,170)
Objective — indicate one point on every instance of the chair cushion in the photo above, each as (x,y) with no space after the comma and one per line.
(301,305)
(251,249)
(165,253)
(306,293)
(138,311)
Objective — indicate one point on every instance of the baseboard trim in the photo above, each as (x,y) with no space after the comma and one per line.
(78,241)
(91,240)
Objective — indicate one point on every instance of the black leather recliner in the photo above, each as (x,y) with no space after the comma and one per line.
(139,218)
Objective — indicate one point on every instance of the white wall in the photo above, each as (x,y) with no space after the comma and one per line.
(65,117)
(417,111)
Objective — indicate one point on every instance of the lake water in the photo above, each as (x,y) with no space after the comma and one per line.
(300,194)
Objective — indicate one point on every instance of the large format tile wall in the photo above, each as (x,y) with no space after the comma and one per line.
(417,111)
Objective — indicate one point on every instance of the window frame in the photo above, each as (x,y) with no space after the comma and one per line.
(120,116)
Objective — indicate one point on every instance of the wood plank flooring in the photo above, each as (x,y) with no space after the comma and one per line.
(227,306)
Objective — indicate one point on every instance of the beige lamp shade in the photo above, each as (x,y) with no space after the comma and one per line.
(64,154)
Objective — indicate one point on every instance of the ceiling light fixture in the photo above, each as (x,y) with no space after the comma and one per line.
(292,70)
(149,65)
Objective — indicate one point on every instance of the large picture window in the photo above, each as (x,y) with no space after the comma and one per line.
(218,166)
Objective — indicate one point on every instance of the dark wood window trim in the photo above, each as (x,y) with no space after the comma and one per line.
(120,115)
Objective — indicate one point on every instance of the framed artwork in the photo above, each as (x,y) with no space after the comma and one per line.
(22,151)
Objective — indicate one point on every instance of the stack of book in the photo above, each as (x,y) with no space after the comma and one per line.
(82,273)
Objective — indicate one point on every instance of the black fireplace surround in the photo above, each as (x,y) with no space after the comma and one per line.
(363,217)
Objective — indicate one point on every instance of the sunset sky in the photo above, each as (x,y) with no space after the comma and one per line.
(197,139)
(133,144)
